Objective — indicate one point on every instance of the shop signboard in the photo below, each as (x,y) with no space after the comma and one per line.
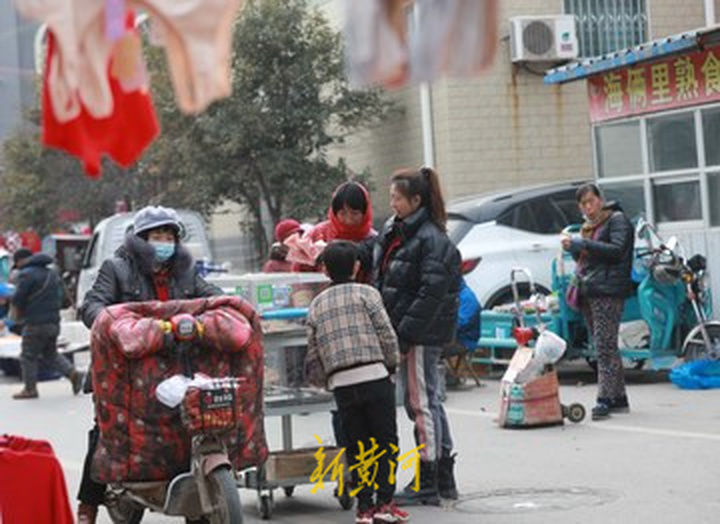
(676,81)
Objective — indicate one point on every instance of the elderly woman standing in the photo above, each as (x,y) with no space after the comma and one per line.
(604,255)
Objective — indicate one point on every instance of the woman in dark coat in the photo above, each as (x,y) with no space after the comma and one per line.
(152,264)
(417,270)
(604,255)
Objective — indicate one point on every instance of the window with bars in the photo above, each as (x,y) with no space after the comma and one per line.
(605,26)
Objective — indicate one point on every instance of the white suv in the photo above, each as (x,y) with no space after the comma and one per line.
(496,232)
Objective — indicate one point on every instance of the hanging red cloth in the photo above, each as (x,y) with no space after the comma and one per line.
(123,135)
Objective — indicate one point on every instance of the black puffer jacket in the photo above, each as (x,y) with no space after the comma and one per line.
(39,291)
(420,282)
(609,257)
(127,277)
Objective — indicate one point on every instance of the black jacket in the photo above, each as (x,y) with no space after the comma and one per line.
(127,277)
(39,291)
(609,257)
(421,281)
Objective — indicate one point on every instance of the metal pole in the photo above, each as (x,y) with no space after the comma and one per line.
(426,116)
(709,13)
(427,124)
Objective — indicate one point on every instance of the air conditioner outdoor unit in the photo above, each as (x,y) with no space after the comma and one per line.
(543,38)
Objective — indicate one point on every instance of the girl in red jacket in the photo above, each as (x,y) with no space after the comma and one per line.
(349,218)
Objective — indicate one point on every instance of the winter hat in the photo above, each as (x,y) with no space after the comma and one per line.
(285,228)
(21,254)
(153,217)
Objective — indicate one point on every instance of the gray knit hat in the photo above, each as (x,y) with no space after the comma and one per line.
(152,217)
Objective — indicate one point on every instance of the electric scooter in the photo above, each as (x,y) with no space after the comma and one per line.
(673,283)
(208,492)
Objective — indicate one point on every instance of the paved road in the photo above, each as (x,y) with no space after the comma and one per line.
(659,464)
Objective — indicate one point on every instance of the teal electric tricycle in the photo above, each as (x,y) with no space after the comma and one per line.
(665,321)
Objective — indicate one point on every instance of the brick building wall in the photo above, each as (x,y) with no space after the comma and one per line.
(668,17)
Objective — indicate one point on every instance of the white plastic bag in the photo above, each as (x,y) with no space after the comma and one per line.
(549,347)
(172,390)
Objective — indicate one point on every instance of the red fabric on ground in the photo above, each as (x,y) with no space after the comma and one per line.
(32,484)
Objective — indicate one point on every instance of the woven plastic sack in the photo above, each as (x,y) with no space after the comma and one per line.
(699,374)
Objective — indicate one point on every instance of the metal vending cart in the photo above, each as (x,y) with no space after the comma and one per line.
(282,299)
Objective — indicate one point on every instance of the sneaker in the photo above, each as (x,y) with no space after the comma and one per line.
(601,411)
(364,516)
(25,394)
(390,512)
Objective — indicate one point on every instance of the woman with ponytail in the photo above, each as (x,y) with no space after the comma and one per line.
(417,270)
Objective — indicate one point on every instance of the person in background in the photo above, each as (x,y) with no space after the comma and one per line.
(152,264)
(604,256)
(417,270)
(468,327)
(277,262)
(349,218)
(353,350)
(38,298)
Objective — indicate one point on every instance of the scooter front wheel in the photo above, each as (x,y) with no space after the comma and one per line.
(225,498)
(695,347)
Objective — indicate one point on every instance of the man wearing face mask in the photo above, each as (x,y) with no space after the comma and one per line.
(152,264)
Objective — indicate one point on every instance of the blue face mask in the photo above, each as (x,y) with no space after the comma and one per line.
(163,250)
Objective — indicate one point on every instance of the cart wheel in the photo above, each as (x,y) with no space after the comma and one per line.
(346,501)
(575,413)
(266,506)
(289,490)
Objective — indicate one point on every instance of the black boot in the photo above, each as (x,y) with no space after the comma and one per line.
(619,404)
(428,492)
(446,477)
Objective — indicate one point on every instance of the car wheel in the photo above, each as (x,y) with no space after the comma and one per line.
(505,295)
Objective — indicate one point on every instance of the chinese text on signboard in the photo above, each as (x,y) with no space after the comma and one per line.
(676,81)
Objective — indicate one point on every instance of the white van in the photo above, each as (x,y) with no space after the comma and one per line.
(109,234)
